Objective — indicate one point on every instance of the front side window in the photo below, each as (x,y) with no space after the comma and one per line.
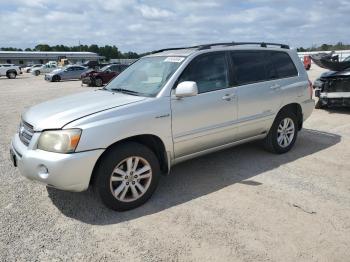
(147,76)
(209,71)
(248,67)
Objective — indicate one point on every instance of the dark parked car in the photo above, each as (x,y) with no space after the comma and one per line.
(102,76)
(333,87)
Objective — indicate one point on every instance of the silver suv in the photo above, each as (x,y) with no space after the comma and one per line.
(169,106)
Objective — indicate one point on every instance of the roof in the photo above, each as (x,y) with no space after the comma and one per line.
(186,51)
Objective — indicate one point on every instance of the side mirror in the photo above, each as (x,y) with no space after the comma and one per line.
(186,89)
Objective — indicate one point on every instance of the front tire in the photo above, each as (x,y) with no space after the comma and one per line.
(37,73)
(56,78)
(98,82)
(126,176)
(283,133)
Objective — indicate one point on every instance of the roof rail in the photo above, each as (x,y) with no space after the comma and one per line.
(262,44)
(208,46)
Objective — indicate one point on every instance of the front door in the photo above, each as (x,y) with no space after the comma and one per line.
(206,120)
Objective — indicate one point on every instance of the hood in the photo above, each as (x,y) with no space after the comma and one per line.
(334,74)
(57,113)
(58,70)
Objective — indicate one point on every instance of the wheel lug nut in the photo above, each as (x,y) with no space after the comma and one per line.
(133,182)
(135,176)
(127,183)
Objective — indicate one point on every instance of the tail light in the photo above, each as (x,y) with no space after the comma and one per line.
(310,89)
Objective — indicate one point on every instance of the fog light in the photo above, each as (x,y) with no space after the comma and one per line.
(43,172)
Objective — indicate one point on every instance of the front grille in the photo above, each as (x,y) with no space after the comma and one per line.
(26,132)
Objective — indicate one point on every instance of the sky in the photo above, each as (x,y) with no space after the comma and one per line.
(141,26)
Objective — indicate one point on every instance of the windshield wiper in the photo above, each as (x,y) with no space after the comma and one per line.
(126,91)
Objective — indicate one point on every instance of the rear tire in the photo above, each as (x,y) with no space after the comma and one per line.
(283,133)
(126,176)
(11,75)
(37,72)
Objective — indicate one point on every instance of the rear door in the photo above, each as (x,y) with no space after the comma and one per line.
(259,93)
(78,70)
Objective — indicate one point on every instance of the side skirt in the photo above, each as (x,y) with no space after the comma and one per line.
(218,148)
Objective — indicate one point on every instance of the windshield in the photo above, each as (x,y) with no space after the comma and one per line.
(347,59)
(147,76)
(104,68)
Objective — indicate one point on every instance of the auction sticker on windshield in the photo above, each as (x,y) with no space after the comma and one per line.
(174,59)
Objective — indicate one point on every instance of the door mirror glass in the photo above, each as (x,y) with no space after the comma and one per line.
(186,89)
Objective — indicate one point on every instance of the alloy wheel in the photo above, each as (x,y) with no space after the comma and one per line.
(285,132)
(130,179)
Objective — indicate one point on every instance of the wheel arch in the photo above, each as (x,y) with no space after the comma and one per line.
(297,110)
(153,142)
(11,71)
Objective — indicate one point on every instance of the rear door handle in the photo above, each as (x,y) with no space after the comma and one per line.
(275,86)
(228,97)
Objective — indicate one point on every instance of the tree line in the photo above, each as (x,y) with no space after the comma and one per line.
(325,47)
(109,52)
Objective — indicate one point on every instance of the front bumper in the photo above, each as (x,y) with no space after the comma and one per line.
(335,99)
(48,77)
(71,172)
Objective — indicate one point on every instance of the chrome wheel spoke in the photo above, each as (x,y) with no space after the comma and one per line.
(129,164)
(118,189)
(122,196)
(116,178)
(140,187)
(119,172)
(146,175)
(142,170)
(279,139)
(134,192)
(135,164)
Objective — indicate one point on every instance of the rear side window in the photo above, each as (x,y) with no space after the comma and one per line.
(283,64)
(209,71)
(248,67)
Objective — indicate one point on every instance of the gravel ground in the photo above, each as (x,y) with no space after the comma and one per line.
(241,204)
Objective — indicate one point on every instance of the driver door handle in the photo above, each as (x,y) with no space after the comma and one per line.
(275,86)
(228,97)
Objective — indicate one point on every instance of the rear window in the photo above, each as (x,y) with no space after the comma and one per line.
(256,66)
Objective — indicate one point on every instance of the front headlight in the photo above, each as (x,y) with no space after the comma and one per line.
(59,141)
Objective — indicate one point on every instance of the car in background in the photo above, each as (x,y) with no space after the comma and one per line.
(103,76)
(9,70)
(66,73)
(333,89)
(47,68)
(29,68)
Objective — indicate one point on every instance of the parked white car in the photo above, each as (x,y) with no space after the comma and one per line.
(47,68)
(168,107)
(28,69)
(9,70)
